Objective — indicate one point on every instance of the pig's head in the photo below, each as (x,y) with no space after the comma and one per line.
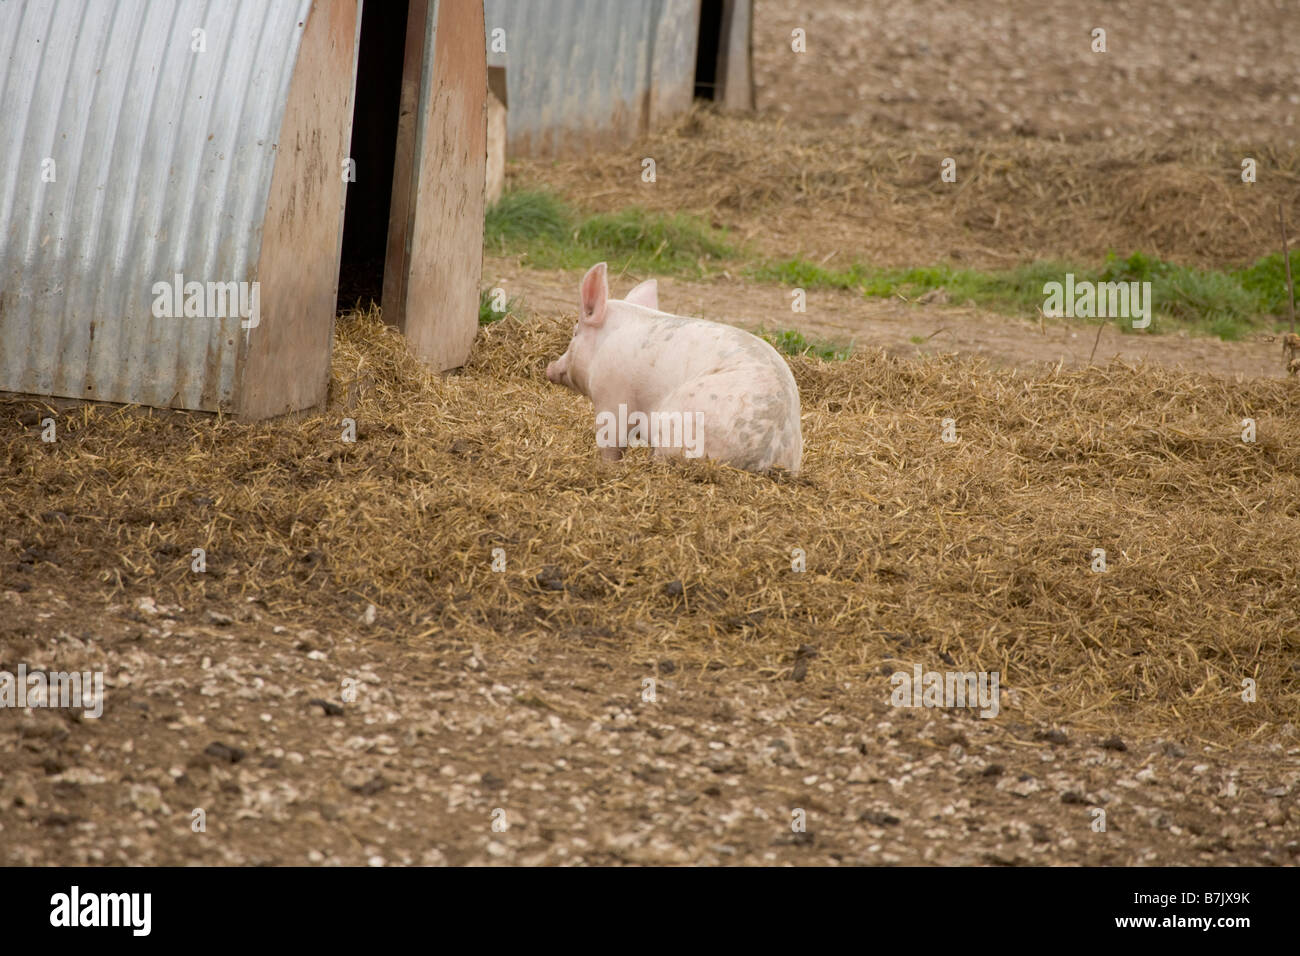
(573,368)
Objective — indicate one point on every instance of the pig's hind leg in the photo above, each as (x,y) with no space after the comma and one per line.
(698,419)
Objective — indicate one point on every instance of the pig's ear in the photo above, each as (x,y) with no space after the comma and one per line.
(646,294)
(594,290)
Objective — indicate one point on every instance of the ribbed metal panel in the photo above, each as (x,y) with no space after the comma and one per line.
(163,158)
(580,72)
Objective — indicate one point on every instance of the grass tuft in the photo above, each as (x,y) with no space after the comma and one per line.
(550,234)
(487,313)
(791,342)
(547,232)
(1229,305)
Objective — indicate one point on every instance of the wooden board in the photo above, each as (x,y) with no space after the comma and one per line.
(435,239)
(286,362)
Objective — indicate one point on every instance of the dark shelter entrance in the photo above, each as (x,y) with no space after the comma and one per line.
(374,150)
(707,50)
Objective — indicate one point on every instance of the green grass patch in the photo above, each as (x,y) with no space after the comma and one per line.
(808,275)
(1266,280)
(1228,304)
(1020,288)
(527,216)
(547,232)
(552,235)
(793,343)
(489,302)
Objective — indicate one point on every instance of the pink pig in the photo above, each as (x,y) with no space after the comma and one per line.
(687,387)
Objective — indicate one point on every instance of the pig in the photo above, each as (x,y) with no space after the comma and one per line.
(688,387)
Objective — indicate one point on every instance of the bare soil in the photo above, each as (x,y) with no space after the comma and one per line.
(954,69)
(552,739)
(845,318)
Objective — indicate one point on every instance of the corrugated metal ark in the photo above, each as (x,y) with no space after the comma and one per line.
(672,69)
(164,159)
(156,174)
(585,72)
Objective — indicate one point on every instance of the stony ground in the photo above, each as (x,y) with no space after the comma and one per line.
(237,716)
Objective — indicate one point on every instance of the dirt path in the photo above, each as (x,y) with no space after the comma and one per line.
(548,754)
(846,318)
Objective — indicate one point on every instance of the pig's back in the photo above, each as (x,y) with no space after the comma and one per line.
(699,347)
(734,376)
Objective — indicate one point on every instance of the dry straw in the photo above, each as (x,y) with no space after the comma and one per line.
(973,555)
(854,194)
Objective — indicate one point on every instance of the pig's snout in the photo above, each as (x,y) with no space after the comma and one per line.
(558,371)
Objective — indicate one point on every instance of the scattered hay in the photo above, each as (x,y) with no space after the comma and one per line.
(847,194)
(967,556)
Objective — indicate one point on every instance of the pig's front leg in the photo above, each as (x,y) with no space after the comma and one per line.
(607,435)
